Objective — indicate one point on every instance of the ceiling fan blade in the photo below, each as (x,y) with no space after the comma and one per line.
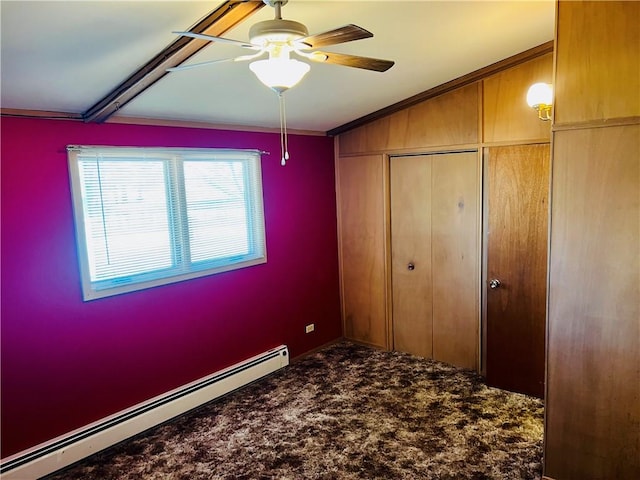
(344,34)
(211,38)
(365,63)
(196,65)
(241,58)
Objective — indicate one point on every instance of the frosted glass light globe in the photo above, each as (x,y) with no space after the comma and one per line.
(539,94)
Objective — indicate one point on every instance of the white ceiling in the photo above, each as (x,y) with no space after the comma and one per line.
(66,55)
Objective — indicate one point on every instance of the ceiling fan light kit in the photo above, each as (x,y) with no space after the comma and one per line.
(279,74)
(279,38)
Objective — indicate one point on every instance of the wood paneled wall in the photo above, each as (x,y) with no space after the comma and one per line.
(444,121)
(362,241)
(597,78)
(506,115)
(593,338)
(452,121)
(493,110)
(593,400)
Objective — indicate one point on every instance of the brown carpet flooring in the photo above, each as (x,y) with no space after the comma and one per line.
(346,412)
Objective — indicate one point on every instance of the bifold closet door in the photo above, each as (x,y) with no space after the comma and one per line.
(411,254)
(455,258)
(434,249)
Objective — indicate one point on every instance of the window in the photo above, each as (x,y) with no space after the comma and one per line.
(151,216)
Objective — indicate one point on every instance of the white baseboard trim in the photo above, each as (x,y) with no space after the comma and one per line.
(66,449)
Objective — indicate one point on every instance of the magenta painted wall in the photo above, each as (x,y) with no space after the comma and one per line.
(66,363)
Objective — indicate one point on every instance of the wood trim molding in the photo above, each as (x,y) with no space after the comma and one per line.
(606,122)
(401,152)
(386,244)
(530,141)
(50,115)
(219,21)
(211,126)
(44,114)
(447,87)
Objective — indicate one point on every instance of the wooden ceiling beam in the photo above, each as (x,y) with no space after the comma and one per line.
(217,22)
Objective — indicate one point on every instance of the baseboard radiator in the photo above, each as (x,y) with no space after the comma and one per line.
(62,451)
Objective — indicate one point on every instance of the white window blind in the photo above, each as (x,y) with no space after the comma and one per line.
(147,217)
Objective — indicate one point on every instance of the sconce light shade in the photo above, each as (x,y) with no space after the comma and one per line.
(539,94)
(279,74)
(539,97)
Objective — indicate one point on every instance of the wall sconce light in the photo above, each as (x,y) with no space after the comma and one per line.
(540,97)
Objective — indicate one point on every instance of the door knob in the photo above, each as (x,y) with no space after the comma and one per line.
(494,283)
(411,266)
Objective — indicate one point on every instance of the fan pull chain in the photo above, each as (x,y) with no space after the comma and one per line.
(284,142)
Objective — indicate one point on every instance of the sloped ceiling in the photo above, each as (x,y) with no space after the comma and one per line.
(64,56)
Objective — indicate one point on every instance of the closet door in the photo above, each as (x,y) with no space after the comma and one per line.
(455,258)
(518,210)
(411,254)
(434,245)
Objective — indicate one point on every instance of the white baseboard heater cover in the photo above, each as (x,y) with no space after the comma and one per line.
(62,451)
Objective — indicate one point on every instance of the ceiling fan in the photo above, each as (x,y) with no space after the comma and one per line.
(280,38)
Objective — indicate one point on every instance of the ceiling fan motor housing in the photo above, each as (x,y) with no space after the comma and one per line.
(277,30)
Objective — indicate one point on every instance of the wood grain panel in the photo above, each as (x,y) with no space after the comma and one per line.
(410,182)
(597,61)
(518,184)
(593,399)
(372,137)
(455,258)
(507,117)
(450,119)
(361,192)
(467,79)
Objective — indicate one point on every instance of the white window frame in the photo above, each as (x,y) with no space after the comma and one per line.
(183,268)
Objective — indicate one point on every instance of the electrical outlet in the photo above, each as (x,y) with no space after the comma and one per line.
(310,328)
